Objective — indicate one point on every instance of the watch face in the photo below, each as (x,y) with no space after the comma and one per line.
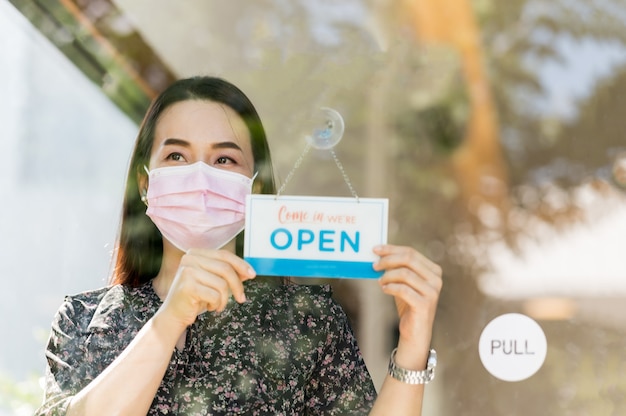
(432,359)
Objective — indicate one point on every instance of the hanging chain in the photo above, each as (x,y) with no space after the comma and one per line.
(295,166)
(299,162)
(344,174)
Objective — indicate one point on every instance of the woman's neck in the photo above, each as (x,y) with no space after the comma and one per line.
(169,266)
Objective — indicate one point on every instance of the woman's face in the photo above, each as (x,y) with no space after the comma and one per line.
(195,130)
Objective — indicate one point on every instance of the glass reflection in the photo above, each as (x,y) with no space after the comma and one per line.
(495,128)
(65,148)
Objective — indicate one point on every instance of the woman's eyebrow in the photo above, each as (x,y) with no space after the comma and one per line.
(226,145)
(175,142)
(172,141)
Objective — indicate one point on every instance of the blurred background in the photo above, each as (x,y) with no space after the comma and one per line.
(497,129)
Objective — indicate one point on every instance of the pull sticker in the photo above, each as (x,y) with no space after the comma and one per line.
(307,236)
(512,347)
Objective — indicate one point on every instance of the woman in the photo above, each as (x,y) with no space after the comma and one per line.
(186,327)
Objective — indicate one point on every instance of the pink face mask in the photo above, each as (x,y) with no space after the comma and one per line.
(197,206)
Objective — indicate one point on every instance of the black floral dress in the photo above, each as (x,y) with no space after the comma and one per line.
(287,350)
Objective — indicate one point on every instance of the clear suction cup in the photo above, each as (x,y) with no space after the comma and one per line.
(326,129)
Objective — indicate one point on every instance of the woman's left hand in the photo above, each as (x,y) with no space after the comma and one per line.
(415,282)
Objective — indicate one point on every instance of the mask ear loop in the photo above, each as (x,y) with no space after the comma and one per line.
(144,192)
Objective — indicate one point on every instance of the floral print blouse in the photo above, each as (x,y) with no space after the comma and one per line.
(288,350)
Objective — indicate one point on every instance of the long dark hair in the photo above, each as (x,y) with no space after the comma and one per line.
(139,248)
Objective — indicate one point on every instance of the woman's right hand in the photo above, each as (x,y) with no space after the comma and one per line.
(204,281)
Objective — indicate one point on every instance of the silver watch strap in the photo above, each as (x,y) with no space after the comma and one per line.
(412,376)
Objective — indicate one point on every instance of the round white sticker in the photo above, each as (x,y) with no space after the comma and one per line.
(512,347)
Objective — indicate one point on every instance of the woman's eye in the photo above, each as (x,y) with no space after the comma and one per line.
(176,157)
(223,160)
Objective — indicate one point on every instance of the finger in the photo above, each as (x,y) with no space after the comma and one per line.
(189,296)
(242,267)
(206,288)
(422,306)
(407,278)
(225,277)
(411,260)
(399,267)
(407,255)
(224,267)
(211,298)
(403,292)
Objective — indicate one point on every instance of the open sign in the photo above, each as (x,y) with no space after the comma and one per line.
(308,236)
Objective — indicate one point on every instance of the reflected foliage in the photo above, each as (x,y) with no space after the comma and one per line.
(19,398)
(105,46)
(521,37)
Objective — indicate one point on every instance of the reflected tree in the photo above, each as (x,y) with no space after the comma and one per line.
(522,37)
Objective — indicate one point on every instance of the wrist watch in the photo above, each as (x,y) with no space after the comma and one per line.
(412,376)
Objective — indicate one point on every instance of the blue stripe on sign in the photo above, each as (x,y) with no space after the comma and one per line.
(313,268)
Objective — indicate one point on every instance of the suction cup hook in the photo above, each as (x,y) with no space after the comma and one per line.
(327,128)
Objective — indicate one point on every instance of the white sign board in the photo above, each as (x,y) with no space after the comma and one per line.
(307,236)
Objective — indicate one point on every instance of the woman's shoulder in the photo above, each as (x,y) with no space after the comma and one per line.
(86,300)
(94,297)
(83,306)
